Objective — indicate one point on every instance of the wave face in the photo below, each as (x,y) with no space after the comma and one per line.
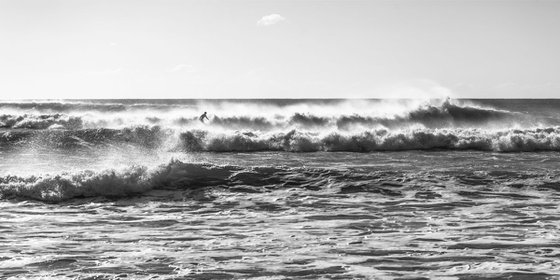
(111,183)
(283,125)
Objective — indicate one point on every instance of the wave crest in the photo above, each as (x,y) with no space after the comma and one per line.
(369,140)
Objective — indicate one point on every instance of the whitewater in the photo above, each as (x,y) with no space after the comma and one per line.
(280,189)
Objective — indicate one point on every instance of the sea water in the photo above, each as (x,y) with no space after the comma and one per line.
(279,189)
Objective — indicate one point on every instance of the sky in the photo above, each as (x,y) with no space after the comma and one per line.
(279,49)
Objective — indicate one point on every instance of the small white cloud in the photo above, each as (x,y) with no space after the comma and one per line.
(270,20)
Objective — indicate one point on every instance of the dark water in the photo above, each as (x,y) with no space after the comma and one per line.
(304,189)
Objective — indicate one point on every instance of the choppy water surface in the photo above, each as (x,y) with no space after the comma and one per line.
(280,189)
(461,215)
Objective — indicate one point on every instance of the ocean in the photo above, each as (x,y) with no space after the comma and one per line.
(280,189)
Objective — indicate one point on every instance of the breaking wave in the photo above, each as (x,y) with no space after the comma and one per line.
(193,177)
(445,114)
(137,180)
(510,140)
(361,126)
(545,139)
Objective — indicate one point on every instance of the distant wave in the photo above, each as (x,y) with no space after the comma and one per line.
(432,116)
(444,115)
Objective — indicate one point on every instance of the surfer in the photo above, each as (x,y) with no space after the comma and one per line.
(447,102)
(203,116)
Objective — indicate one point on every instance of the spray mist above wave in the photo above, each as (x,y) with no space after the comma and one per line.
(147,137)
(46,121)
